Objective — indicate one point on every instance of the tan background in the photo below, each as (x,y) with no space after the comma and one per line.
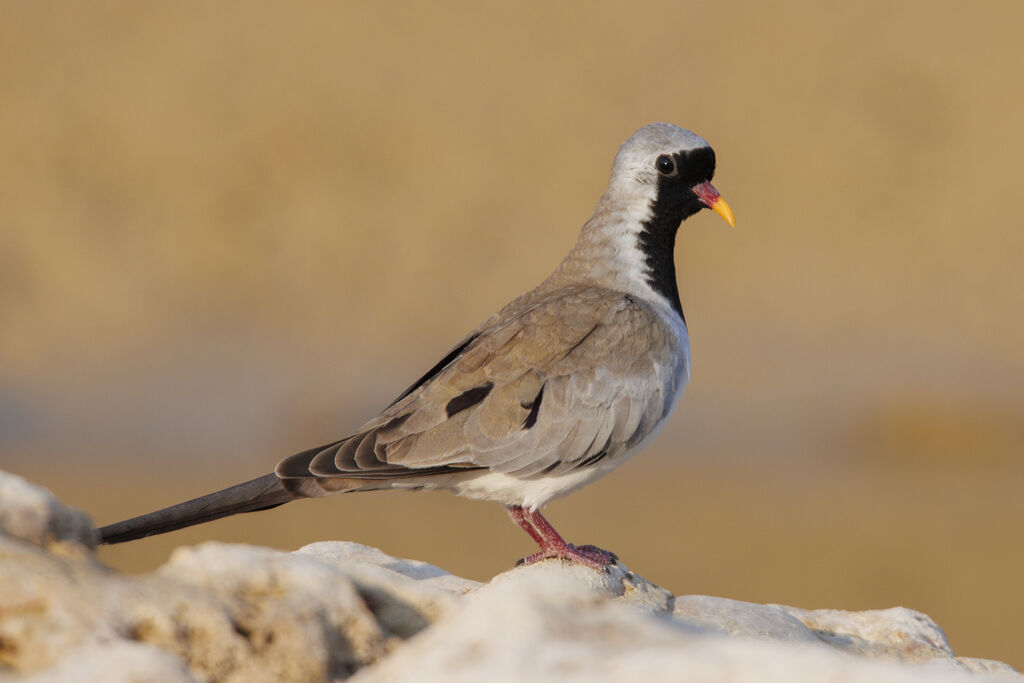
(234,230)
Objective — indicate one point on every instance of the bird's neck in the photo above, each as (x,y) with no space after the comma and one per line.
(657,241)
(628,247)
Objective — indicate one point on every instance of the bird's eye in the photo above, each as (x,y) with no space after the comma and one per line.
(665,165)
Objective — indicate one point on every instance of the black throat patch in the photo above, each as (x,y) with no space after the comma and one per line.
(675,202)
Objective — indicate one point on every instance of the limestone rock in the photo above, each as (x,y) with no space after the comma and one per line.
(405,595)
(896,633)
(117,662)
(737,618)
(332,610)
(550,626)
(616,582)
(230,613)
(33,514)
(48,604)
(274,615)
(1000,670)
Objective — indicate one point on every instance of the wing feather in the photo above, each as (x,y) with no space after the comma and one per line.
(591,355)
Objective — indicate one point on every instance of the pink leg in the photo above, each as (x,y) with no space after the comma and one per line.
(518,516)
(552,545)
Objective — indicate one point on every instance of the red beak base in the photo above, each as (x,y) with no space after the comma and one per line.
(709,196)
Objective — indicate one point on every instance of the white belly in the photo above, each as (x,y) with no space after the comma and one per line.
(530,493)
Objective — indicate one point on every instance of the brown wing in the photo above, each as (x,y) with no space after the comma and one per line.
(579,375)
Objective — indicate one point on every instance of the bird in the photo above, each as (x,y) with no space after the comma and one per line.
(555,390)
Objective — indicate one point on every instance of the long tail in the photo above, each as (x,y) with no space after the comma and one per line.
(259,494)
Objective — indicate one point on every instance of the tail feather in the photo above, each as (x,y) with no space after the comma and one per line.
(259,494)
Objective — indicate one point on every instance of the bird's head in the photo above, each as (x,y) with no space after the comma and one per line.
(671,169)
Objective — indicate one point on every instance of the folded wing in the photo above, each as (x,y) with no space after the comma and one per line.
(564,382)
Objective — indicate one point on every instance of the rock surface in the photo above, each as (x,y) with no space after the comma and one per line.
(333,610)
(34,515)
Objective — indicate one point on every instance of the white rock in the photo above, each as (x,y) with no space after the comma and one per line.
(355,558)
(31,513)
(737,618)
(1000,670)
(896,633)
(118,662)
(48,604)
(405,595)
(269,615)
(550,626)
(530,621)
(615,582)
(233,613)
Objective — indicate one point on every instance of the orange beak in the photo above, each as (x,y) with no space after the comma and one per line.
(707,194)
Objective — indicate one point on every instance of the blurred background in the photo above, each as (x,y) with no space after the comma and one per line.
(231,231)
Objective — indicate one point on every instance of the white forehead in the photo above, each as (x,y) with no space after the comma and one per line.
(638,152)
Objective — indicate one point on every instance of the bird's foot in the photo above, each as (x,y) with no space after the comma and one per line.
(608,556)
(587,555)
